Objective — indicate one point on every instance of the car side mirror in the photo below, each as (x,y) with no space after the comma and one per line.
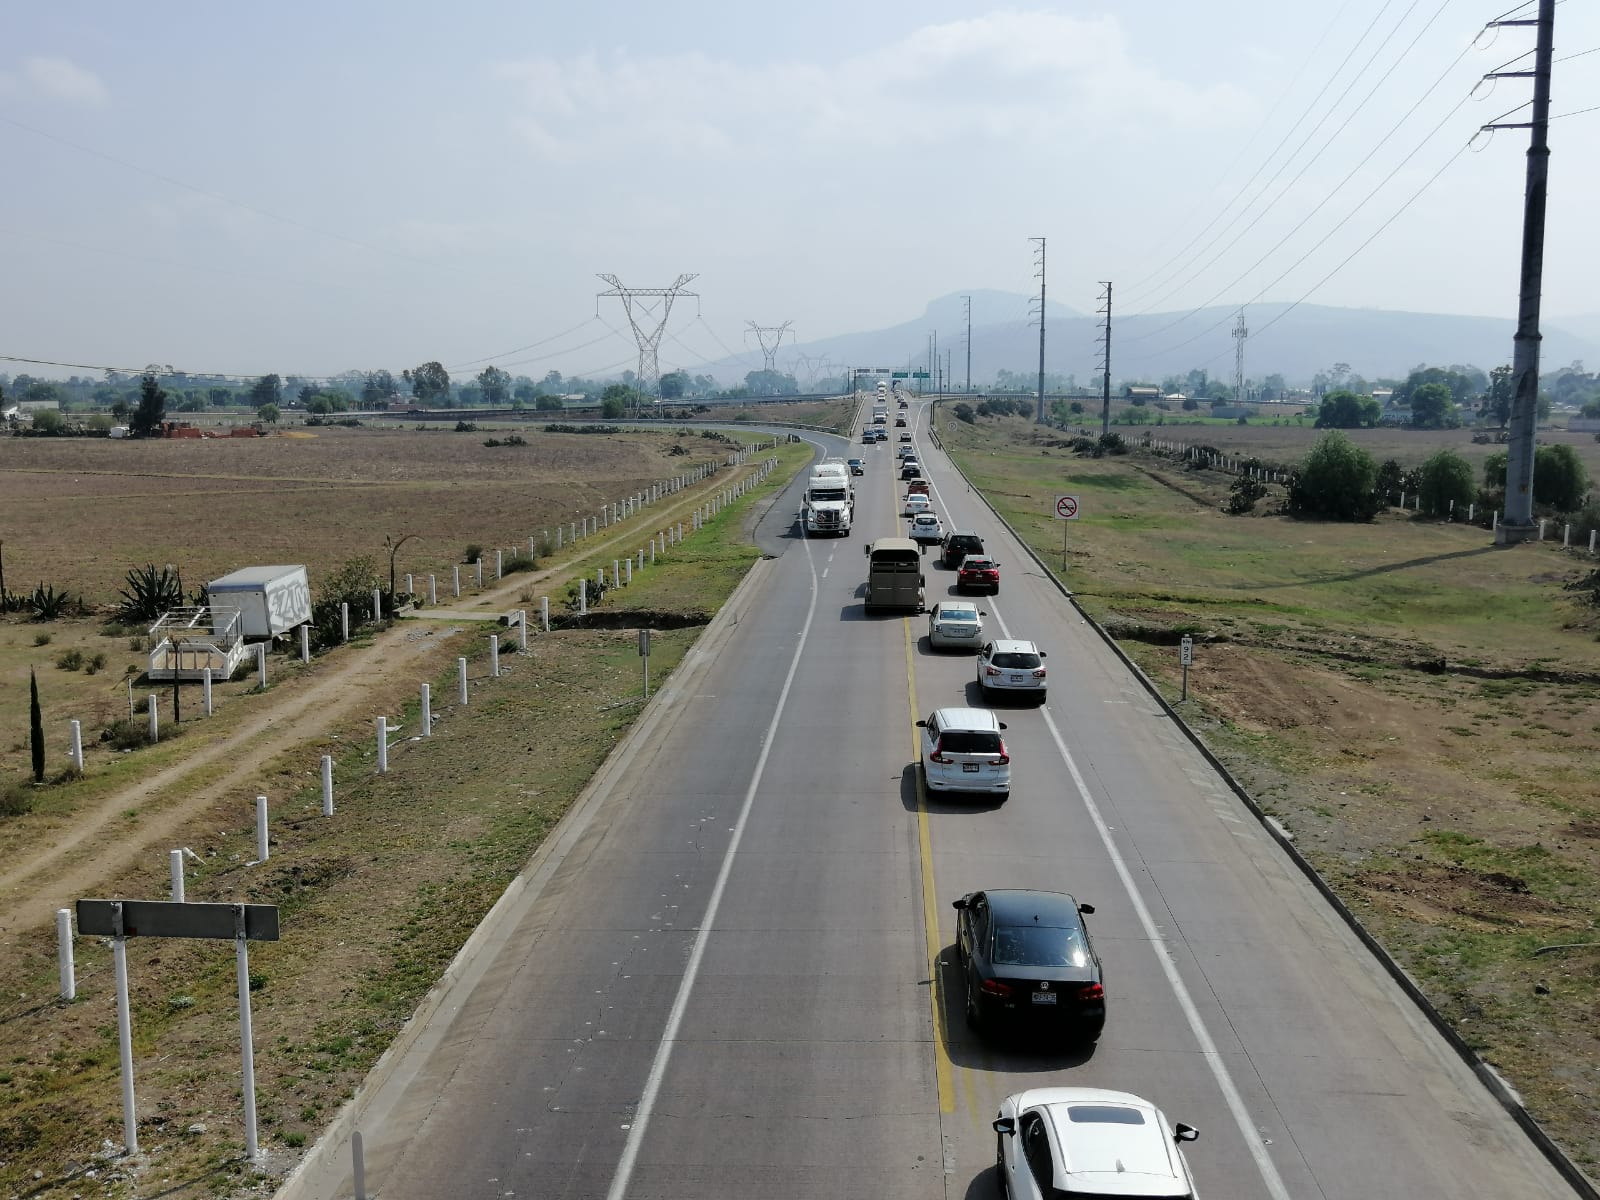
(961,903)
(867,550)
(1087,909)
(1044,654)
(983,614)
(922,724)
(1002,724)
(1184,1133)
(1005,1125)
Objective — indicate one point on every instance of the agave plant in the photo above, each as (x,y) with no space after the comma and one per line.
(149,592)
(48,604)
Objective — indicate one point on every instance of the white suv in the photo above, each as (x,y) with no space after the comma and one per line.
(1071,1141)
(962,751)
(1011,666)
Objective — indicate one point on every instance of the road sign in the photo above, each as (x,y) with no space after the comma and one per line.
(919,374)
(1066,508)
(164,918)
(900,374)
(644,643)
(1186,650)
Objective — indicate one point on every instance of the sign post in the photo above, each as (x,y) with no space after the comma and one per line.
(1066,510)
(1185,656)
(123,919)
(644,658)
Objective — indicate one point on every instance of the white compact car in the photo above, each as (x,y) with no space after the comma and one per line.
(915,503)
(962,751)
(955,624)
(1011,666)
(926,529)
(1070,1141)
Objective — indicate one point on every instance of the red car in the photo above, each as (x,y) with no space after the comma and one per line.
(978,572)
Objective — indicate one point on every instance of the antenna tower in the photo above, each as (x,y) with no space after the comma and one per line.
(1240,336)
(649,341)
(1105,363)
(769,351)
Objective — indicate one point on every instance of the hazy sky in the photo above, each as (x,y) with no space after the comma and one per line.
(313,187)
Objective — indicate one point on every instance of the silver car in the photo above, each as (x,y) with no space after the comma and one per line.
(955,624)
(1011,666)
(962,751)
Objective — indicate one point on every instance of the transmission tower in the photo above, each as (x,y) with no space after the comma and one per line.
(967,303)
(1038,261)
(769,351)
(1105,365)
(649,341)
(1240,336)
(813,365)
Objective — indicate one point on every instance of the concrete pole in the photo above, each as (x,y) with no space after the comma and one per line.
(77,745)
(652,550)
(427,710)
(641,559)
(344,621)
(1566,536)
(261,664)
(175,870)
(433,589)
(205,691)
(64,965)
(410,587)
(499,565)
(629,565)
(494,656)
(455,581)
(155,729)
(558,537)
(583,596)
(1591,541)
(377,604)
(119,961)
(522,629)
(247,1054)
(305,643)
(574,526)
(544,613)
(382,724)
(533,549)
(263,850)
(461,680)
(327,785)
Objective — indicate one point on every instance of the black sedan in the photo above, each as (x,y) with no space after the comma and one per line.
(1026,960)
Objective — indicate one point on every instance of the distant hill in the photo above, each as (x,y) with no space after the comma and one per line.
(1296,343)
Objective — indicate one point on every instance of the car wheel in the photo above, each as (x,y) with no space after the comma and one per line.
(973,1015)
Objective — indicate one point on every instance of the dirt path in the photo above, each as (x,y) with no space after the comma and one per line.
(96,845)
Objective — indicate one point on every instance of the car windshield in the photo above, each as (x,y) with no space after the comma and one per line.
(969,741)
(1017,662)
(1038,946)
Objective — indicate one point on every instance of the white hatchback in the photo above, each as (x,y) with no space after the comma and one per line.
(962,751)
(1011,666)
(1071,1141)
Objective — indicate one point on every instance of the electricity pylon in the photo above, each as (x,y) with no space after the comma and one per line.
(649,341)
(769,353)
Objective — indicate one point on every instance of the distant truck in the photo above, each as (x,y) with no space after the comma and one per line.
(271,600)
(829,501)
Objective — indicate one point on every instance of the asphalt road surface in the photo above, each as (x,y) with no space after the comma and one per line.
(732,975)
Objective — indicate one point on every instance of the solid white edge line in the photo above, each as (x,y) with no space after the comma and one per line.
(680,1003)
(1219,1071)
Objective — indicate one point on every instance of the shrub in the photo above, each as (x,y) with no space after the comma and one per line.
(49,605)
(1112,443)
(96,664)
(466,427)
(519,562)
(1559,479)
(473,554)
(1243,494)
(70,660)
(41,638)
(1335,480)
(127,733)
(16,800)
(963,412)
(148,592)
(1446,480)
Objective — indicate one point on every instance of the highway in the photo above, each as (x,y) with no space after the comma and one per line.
(732,974)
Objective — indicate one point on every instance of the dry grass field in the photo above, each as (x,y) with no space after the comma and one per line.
(1418,707)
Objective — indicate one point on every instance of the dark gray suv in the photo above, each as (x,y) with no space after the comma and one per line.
(957,544)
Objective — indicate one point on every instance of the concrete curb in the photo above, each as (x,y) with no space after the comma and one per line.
(328,1158)
(1487,1075)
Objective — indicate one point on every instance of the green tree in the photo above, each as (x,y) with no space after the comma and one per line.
(1346,410)
(614,401)
(544,403)
(674,384)
(430,383)
(49,421)
(152,410)
(1559,478)
(1446,478)
(1496,405)
(266,390)
(1433,407)
(268,413)
(496,386)
(376,389)
(1335,480)
(35,728)
(219,397)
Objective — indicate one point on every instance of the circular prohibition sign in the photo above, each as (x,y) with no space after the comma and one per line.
(1067,507)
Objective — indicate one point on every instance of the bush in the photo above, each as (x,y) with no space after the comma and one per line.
(16,800)
(1243,494)
(519,562)
(1445,481)
(127,733)
(466,427)
(1112,443)
(49,605)
(70,660)
(963,412)
(473,554)
(41,638)
(1335,480)
(148,592)
(1559,479)
(513,440)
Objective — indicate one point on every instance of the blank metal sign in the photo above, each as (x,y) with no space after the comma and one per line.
(163,918)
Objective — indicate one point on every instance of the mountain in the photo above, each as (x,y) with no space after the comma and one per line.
(1294,341)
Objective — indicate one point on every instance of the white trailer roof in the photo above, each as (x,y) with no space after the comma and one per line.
(254,576)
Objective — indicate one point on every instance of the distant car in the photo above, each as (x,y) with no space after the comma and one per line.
(978,573)
(959,543)
(962,751)
(905,435)
(1011,665)
(1026,960)
(918,485)
(925,528)
(900,421)
(868,437)
(857,466)
(1089,1142)
(910,468)
(916,502)
(955,625)
(905,452)
(905,403)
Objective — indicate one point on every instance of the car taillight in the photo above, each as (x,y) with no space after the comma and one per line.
(993,987)
(939,756)
(1005,756)
(1039,674)
(1091,991)
(991,670)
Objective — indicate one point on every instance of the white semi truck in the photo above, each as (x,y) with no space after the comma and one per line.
(830,499)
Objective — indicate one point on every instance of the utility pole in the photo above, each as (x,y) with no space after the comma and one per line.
(937,382)
(1518,525)
(949,379)
(649,341)
(1240,336)
(1105,366)
(967,300)
(1038,261)
(769,353)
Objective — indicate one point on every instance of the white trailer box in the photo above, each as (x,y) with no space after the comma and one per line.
(271,600)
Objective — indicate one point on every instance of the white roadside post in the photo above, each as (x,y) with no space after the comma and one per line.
(629,565)
(461,679)
(377,604)
(583,597)
(616,572)
(261,664)
(305,643)
(205,691)
(410,588)
(382,726)
(558,537)
(494,656)
(427,710)
(263,848)
(433,589)
(64,965)
(119,967)
(477,567)
(522,629)
(247,1053)
(499,564)
(533,550)
(175,870)
(641,559)
(327,785)
(77,745)
(344,621)
(455,581)
(644,659)
(544,613)
(155,721)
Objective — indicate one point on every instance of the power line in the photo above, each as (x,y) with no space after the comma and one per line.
(530,346)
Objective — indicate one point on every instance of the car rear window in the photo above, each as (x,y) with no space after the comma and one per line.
(977,564)
(1017,662)
(1037,946)
(969,741)
(963,615)
(1104,1114)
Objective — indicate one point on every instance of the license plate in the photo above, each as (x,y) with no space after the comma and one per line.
(1044,997)
(973,767)
(1017,679)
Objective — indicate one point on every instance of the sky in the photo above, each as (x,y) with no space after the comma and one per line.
(309,188)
